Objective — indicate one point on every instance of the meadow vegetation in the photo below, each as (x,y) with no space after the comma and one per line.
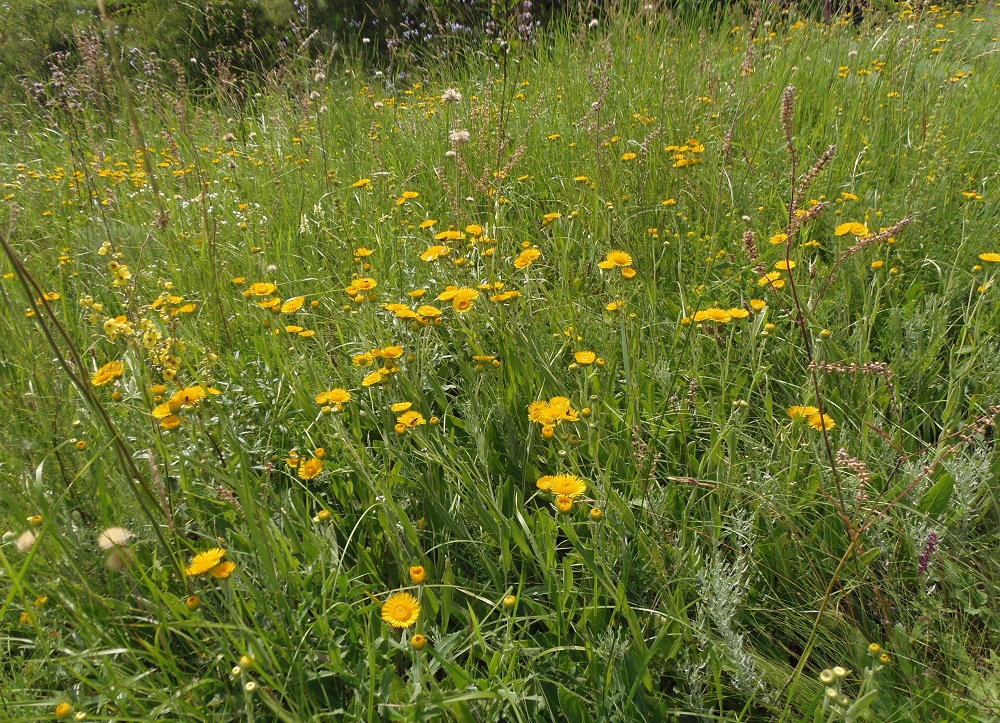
(645,369)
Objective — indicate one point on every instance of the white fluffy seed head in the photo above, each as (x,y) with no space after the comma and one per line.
(114,537)
(26,541)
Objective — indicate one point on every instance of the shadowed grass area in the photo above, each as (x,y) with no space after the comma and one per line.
(655,359)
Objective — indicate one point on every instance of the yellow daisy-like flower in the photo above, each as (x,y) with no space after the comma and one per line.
(796,412)
(401,610)
(568,485)
(401,406)
(428,223)
(526,258)
(738,313)
(261,288)
(418,574)
(616,259)
(757,304)
(821,421)
(187,397)
(628,156)
(222,570)
(111,370)
(333,396)
(363,360)
(411,419)
(204,561)
(858,229)
(991,257)
(293,305)
(779,238)
(434,253)
(171,421)
(463,298)
(310,468)
(712,314)
(783,265)
(374,378)
(429,312)
(362,183)
(585,357)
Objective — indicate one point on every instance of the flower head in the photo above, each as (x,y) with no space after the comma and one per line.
(205,561)
(310,468)
(401,610)
(114,537)
(106,373)
(616,259)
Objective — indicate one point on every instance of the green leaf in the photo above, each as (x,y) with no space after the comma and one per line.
(935,500)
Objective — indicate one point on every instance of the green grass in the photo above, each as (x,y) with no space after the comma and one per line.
(736,554)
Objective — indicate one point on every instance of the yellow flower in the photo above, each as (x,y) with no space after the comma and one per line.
(261,288)
(401,610)
(434,253)
(796,412)
(568,485)
(401,406)
(615,305)
(63,710)
(428,312)
(564,503)
(428,223)
(474,229)
(449,235)
(106,373)
(362,183)
(991,257)
(713,314)
(389,352)
(585,357)
(757,304)
(737,313)
(783,265)
(819,422)
(858,229)
(411,419)
(310,468)
(334,396)
(526,257)
(293,305)
(171,421)
(186,397)
(616,259)
(363,252)
(463,298)
(628,156)
(374,378)
(876,265)
(205,561)
(550,217)
(418,574)
(779,238)
(628,272)
(222,570)
(363,360)
(771,279)
(418,641)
